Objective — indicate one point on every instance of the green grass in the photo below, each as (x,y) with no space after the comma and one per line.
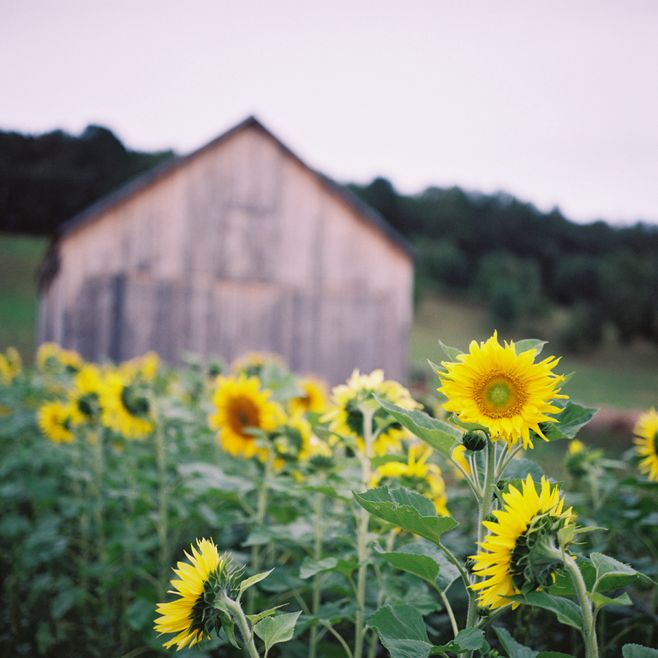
(613,376)
(20,257)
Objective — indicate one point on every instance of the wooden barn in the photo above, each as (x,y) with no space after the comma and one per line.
(238,246)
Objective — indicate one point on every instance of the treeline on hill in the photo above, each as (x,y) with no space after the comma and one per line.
(523,262)
(496,248)
(46,179)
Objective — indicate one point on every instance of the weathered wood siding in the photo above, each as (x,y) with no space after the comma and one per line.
(242,248)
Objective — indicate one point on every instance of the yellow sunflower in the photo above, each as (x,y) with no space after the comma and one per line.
(459,456)
(313,399)
(347,419)
(505,560)
(144,367)
(506,392)
(55,422)
(85,396)
(11,366)
(125,407)
(241,405)
(291,441)
(251,364)
(646,443)
(6,376)
(415,474)
(191,616)
(51,356)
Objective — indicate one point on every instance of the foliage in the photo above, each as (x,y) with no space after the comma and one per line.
(90,529)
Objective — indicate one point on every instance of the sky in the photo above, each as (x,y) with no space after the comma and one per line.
(554,101)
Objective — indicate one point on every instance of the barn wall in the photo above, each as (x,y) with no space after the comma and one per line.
(242,248)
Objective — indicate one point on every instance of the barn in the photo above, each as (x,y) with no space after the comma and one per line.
(238,246)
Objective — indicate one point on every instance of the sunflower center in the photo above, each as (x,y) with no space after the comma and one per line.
(655,443)
(88,405)
(134,402)
(500,395)
(242,414)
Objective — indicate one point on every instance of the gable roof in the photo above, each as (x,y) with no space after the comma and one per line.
(145,180)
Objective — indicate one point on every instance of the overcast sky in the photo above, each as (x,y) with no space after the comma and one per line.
(555,101)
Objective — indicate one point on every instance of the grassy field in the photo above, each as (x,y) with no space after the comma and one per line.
(613,376)
(19,259)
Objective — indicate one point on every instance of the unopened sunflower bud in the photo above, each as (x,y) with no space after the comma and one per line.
(215,369)
(475,440)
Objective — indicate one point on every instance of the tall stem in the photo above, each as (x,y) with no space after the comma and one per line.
(99,468)
(362,535)
(589,627)
(318,508)
(243,624)
(483,512)
(261,512)
(163,503)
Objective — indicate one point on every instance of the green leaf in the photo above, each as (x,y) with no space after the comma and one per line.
(63,602)
(419,565)
(406,509)
(516,650)
(519,469)
(601,600)
(610,570)
(254,619)
(638,651)
(274,630)
(566,610)
(448,572)
(530,344)
(310,568)
(401,630)
(252,580)
(437,433)
(570,421)
(468,639)
(451,352)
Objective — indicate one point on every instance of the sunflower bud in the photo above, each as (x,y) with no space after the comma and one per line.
(214,369)
(475,440)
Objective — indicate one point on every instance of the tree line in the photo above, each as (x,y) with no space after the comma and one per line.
(495,248)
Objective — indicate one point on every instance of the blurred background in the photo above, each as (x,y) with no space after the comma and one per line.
(514,145)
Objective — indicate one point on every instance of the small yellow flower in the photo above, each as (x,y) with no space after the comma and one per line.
(459,456)
(144,367)
(291,441)
(313,399)
(241,405)
(646,443)
(52,357)
(415,474)
(125,407)
(6,376)
(85,396)
(347,418)
(506,392)
(575,447)
(503,557)
(55,422)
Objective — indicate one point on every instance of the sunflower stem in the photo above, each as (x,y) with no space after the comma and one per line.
(243,624)
(261,512)
(163,517)
(318,508)
(362,534)
(589,626)
(483,512)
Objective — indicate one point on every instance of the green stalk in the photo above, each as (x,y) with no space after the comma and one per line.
(261,512)
(483,512)
(589,626)
(317,555)
(163,504)
(243,624)
(362,535)
(99,468)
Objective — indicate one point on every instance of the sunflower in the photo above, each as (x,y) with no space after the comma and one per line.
(415,474)
(85,396)
(646,442)
(51,356)
(192,616)
(11,366)
(291,441)
(6,375)
(142,367)
(313,398)
(241,406)
(55,421)
(347,418)
(125,407)
(459,457)
(251,364)
(510,559)
(506,392)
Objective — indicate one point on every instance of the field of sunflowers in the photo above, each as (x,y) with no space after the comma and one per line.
(245,510)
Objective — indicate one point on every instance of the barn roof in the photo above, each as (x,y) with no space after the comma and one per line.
(143,181)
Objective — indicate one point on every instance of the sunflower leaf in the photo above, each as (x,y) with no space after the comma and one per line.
(566,611)
(437,433)
(252,580)
(638,651)
(406,509)
(569,422)
(273,630)
(419,565)
(402,631)
(530,344)
(451,352)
